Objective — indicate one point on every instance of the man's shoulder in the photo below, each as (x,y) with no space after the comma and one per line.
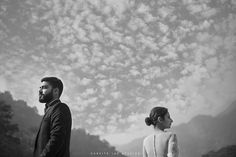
(61,110)
(61,107)
(62,104)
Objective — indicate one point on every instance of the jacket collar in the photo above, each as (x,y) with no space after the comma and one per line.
(53,102)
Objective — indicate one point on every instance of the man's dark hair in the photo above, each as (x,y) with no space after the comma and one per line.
(55,82)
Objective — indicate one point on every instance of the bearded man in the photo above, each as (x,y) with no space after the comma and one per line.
(53,137)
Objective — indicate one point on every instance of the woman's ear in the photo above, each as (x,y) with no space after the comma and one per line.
(159,119)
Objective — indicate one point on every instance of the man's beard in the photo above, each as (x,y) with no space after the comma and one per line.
(45,98)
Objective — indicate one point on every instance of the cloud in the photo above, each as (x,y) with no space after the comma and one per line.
(165,11)
(82,104)
(147,41)
(103,83)
(3,84)
(130,42)
(195,8)
(106,103)
(136,23)
(120,107)
(143,82)
(85,81)
(134,71)
(170,52)
(163,28)
(203,37)
(111,128)
(119,6)
(116,95)
(209,12)
(212,63)
(88,92)
(143,8)
(116,37)
(152,73)
(206,24)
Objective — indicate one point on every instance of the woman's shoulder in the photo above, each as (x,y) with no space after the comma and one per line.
(148,138)
(164,134)
(170,133)
(172,137)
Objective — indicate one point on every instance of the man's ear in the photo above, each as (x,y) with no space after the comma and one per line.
(56,92)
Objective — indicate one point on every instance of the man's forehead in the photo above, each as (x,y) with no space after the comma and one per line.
(45,83)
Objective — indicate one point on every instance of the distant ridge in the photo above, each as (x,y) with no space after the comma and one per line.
(229,151)
(200,135)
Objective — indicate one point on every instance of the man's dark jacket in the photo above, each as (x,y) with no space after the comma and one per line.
(53,138)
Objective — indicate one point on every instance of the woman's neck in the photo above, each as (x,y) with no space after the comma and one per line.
(157,129)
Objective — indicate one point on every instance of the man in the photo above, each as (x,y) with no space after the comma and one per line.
(53,138)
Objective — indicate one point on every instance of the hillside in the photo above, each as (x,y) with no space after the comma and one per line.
(229,151)
(201,135)
(27,119)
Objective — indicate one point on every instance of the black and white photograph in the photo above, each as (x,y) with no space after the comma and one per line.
(117,78)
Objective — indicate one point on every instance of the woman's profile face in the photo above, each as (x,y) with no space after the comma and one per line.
(167,121)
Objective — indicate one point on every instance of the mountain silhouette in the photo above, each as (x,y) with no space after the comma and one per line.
(229,151)
(200,135)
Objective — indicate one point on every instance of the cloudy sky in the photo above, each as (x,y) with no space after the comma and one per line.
(120,58)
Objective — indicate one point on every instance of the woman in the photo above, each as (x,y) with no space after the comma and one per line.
(161,143)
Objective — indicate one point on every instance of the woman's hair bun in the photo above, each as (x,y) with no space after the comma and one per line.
(148,121)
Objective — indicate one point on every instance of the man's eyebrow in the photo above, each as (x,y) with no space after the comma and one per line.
(43,86)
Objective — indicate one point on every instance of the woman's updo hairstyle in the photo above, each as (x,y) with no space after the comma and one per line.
(154,114)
